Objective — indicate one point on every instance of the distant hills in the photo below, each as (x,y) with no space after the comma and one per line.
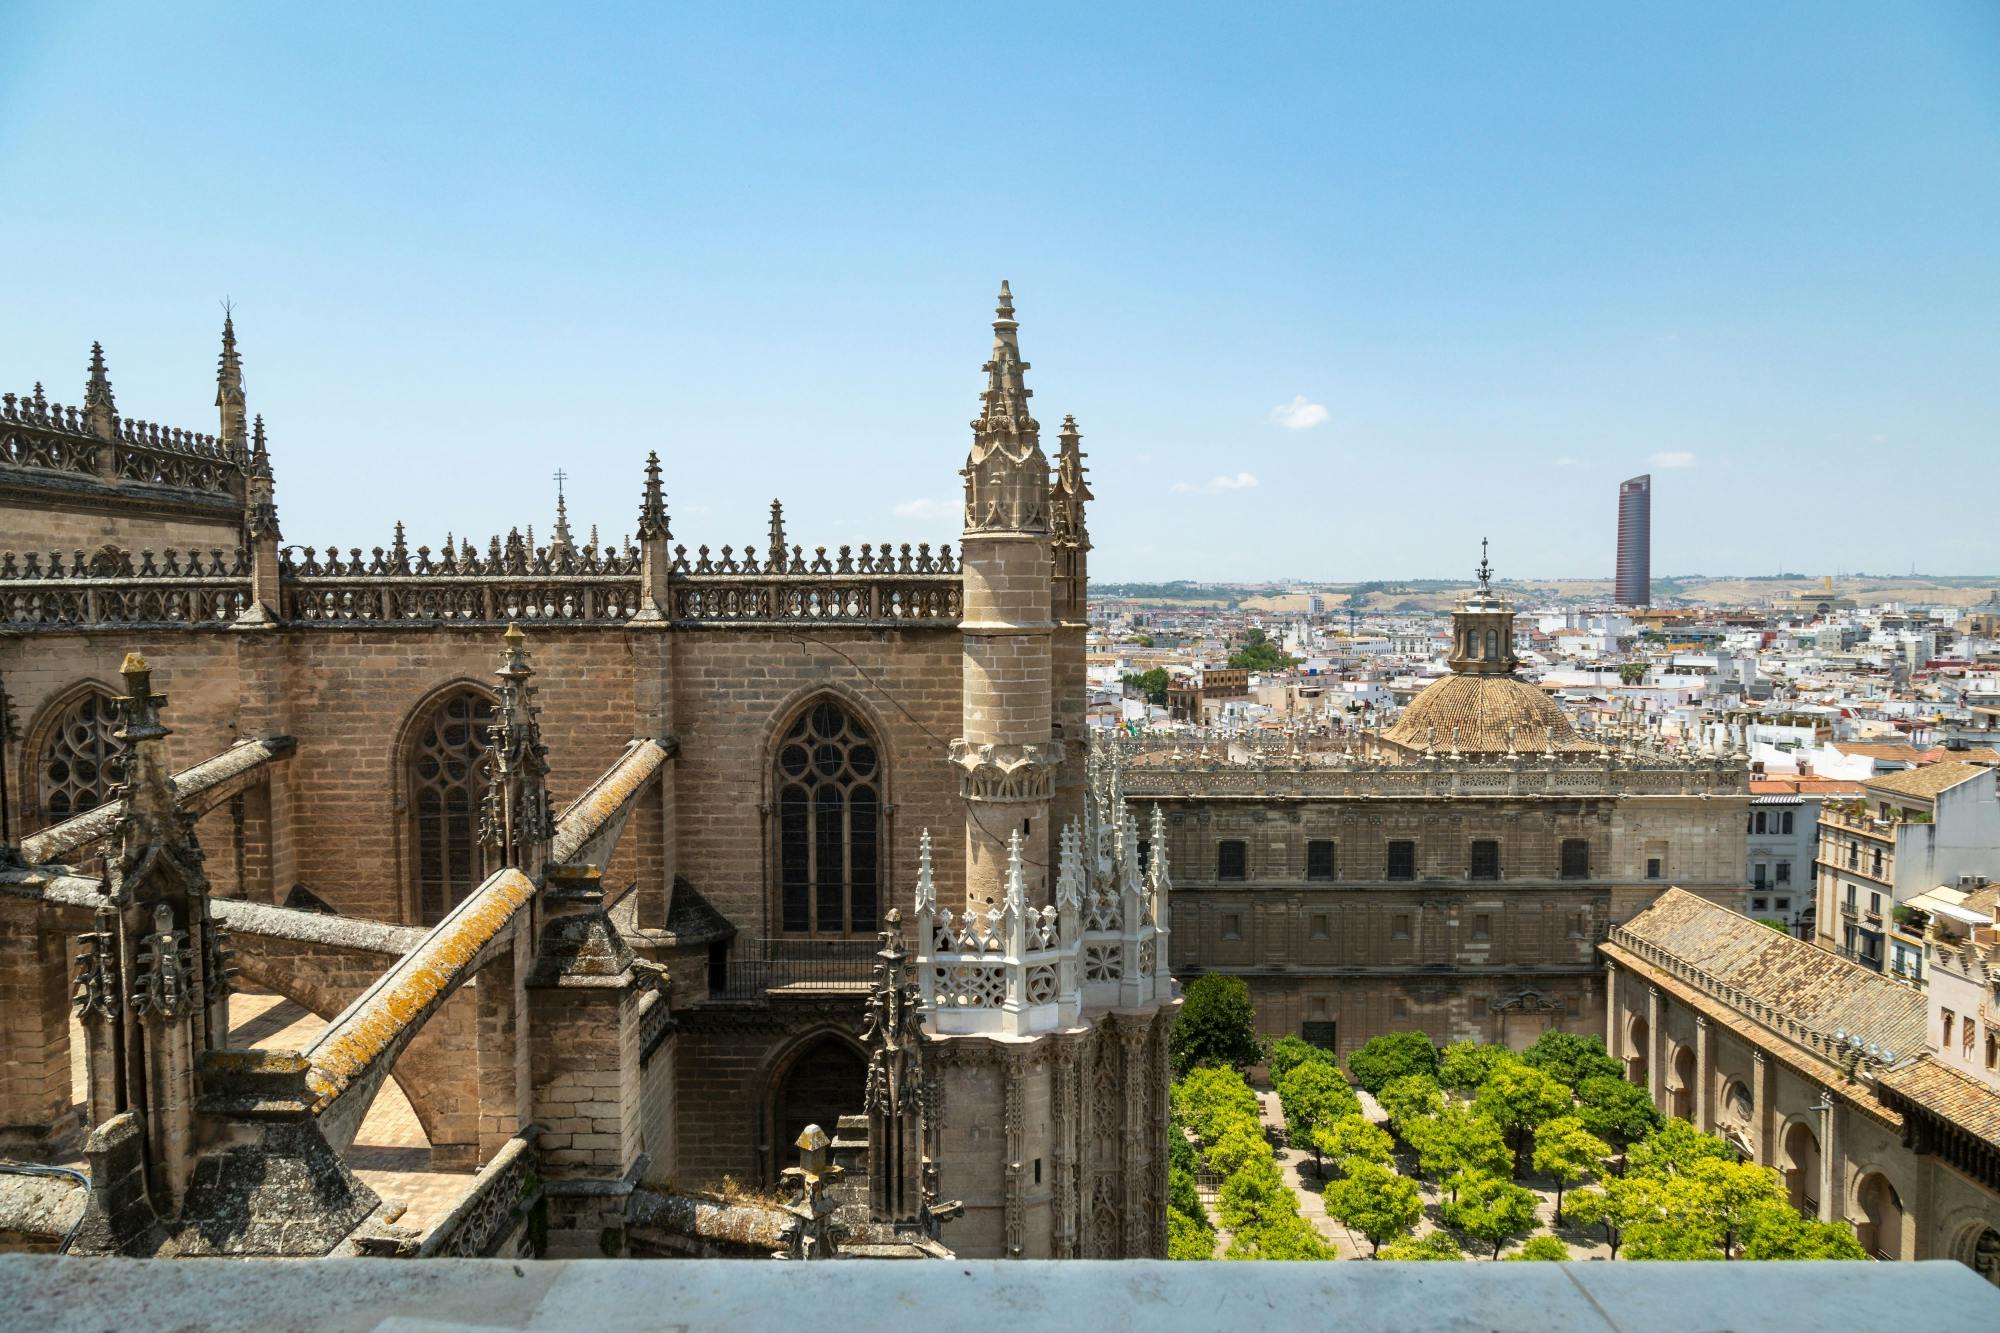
(1417,595)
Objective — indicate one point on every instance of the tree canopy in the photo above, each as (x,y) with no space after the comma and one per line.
(1392,1055)
(1376,1202)
(1258,653)
(1217,1025)
(1493,1210)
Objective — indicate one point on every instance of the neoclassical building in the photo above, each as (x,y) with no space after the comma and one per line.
(1453,873)
(745,747)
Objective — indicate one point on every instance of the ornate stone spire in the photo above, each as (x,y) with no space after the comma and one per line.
(777,539)
(229,385)
(1070,490)
(515,824)
(653,505)
(560,544)
(1006,475)
(100,413)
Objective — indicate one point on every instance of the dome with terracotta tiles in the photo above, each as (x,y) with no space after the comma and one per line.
(1485,714)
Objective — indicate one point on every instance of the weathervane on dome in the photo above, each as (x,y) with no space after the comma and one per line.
(1485,568)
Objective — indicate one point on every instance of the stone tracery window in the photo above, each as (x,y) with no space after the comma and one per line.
(81,762)
(445,763)
(828,779)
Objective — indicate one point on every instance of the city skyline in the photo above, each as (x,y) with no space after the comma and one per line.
(1506,258)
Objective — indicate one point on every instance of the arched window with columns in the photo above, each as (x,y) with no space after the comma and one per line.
(444,765)
(827,783)
(76,762)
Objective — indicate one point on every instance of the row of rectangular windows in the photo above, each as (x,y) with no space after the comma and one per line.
(1400,860)
(1320,927)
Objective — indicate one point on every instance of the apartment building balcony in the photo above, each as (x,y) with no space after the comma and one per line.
(1861,822)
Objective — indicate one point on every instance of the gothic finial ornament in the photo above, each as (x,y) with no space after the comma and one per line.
(100,411)
(1006,475)
(229,384)
(515,823)
(653,508)
(1070,490)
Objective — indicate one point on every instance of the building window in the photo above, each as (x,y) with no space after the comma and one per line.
(81,762)
(1759,873)
(1968,1037)
(1319,927)
(1482,927)
(1229,859)
(1319,860)
(828,777)
(1576,858)
(1949,1019)
(1850,898)
(1874,904)
(1402,860)
(1757,821)
(1655,868)
(1399,926)
(1232,926)
(1785,821)
(1783,904)
(1992,1048)
(1759,904)
(1145,855)
(1485,859)
(1875,863)
(446,765)
(1784,872)
(1576,925)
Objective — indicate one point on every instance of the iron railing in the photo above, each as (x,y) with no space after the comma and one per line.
(754,968)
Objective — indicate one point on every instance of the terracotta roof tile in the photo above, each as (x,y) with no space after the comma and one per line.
(1927,781)
(1944,1091)
(1815,987)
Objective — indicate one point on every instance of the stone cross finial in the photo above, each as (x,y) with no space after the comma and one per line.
(777,546)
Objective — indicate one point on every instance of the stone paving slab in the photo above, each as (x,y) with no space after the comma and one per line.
(608,1296)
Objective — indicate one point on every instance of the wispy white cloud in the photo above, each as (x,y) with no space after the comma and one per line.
(1672,458)
(925,507)
(1567,461)
(1242,481)
(1299,414)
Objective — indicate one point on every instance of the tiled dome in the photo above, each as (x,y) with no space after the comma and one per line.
(1482,709)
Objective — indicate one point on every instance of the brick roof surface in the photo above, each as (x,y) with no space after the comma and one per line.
(1944,1091)
(1927,781)
(1814,986)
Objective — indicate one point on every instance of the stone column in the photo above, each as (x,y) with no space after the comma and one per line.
(1829,1158)
(505,1094)
(1763,1116)
(1611,1024)
(34,1028)
(1704,1067)
(1656,1045)
(1004,751)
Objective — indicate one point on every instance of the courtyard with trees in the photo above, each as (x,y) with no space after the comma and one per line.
(1417,1153)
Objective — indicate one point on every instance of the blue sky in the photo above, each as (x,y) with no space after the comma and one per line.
(1333,290)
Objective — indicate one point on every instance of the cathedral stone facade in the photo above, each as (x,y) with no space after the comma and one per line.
(1453,873)
(758,760)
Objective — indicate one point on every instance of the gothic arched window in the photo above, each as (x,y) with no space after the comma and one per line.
(828,779)
(445,760)
(81,762)
(1492,646)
